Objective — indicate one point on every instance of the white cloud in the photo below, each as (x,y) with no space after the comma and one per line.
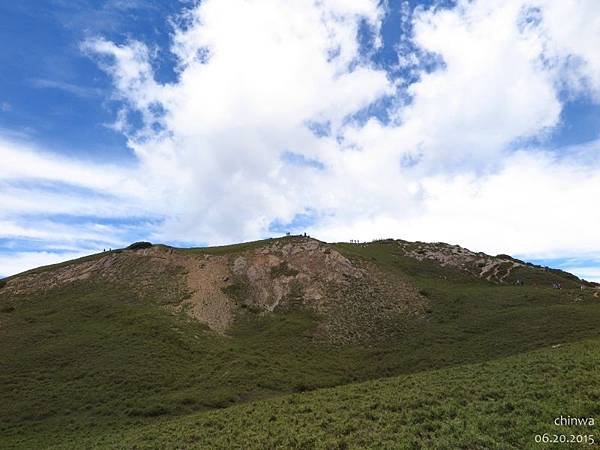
(21,162)
(38,184)
(587,273)
(230,117)
(74,89)
(48,234)
(492,89)
(536,205)
(265,72)
(572,32)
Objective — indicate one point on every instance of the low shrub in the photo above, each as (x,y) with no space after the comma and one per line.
(139,245)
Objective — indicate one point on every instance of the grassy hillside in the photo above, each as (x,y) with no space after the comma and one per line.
(94,359)
(502,404)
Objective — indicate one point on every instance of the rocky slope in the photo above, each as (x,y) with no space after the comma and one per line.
(353,299)
(498,269)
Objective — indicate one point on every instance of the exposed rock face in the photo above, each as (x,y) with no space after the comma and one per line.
(277,276)
(497,269)
(286,272)
(355,300)
(491,268)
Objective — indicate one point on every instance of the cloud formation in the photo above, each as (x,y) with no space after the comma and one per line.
(450,150)
(53,208)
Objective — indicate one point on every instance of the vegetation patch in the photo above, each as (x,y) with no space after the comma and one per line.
(139,245)
(283,270)
(238,290)
(294,298)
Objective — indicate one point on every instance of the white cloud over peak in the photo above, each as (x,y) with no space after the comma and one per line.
(248,85)
(256,78)
(535,205)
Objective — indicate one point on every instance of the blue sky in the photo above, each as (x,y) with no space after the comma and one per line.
(57,95)
(185,123)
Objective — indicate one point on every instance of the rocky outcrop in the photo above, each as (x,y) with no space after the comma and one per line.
(480,265)
(354,299)
(299,271)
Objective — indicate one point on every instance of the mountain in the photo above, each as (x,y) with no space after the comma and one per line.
(157,338)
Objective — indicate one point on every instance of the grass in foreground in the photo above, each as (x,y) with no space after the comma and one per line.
(502,404)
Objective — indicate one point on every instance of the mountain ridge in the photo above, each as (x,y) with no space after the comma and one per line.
(212,284)
(417,249)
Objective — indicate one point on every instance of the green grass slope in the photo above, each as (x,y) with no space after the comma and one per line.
(90,361)
(503,404)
